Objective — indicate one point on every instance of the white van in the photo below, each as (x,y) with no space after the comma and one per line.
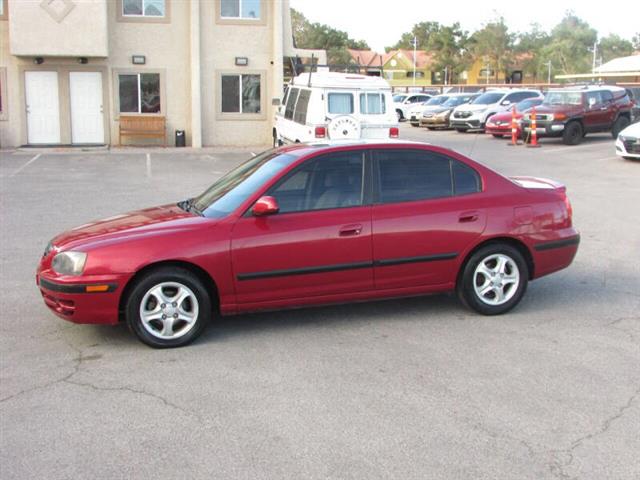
(335,106)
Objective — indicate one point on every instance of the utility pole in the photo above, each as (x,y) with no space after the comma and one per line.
(595,52)
(415,47)
(548,64)
(446,71)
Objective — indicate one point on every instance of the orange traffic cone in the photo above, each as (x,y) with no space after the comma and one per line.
(514,128)
(534,130)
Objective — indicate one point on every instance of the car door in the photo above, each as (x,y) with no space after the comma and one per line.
(426,213)
(318,244)
(595,117)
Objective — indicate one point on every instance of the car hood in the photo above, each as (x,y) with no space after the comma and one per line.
(138,223)
(472,107)
(568,109)
(632,130)
(504,116)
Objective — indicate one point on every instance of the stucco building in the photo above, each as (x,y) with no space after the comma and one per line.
(70,68)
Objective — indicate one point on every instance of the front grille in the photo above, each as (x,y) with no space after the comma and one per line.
(544,117)
(631,146)
(462,114)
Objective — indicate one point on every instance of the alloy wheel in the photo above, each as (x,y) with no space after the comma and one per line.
(169,310)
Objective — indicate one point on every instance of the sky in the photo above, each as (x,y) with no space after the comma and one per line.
(380,23)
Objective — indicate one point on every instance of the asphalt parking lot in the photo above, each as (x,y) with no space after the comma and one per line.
(415,388)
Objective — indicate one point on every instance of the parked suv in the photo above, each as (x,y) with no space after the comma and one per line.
(403,102)
(571,113)
(474,115)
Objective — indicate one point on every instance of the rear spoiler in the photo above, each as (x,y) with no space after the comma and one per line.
(538,183)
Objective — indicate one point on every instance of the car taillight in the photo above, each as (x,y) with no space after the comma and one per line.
(394,132)
(321,132)
(567,204)
(559,116)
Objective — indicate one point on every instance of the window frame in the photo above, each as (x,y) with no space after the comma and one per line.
(366,199)
(140,112)
(5,10)
(365,94)
(337,92)
(131,71)
(262,20)
(306,110)
(377,184)
(220,115)
(121,17)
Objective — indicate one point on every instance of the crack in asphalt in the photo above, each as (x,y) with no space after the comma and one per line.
(78,362)
(558,467)
(615,324)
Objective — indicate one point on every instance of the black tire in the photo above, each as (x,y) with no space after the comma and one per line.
(497,135)
(572,134)
(400,115)
(413,124)
(431,128)
(620,124)
(630,158)
(461,130)
(171,275)
(468,276)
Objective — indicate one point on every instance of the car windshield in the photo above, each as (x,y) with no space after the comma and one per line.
(488,98)
(455,101)
(438,100)
(228,193)
(563,98)
(528,103)
(399,98)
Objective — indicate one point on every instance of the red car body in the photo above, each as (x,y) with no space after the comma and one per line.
(315,257)
(500,124)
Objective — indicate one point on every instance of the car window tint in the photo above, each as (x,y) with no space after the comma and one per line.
(465,179)
(340,103)
(606,95)
(330,181)
(593,97)
(412,175)
(291,103)
(300,114)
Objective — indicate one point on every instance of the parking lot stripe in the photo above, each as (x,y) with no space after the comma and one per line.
(568,149)
(148,165)
(26,165)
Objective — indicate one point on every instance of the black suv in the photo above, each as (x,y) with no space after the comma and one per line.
(571,113)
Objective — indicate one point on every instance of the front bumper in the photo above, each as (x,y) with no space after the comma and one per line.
(85,299)
(502,129)
(470,123)
(544,128)
(630,147)
(435,121)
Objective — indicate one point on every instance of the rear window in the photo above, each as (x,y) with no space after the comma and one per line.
(399,98)
(438,100)
(291,103)
(372,103)
(300,115)
(340,103)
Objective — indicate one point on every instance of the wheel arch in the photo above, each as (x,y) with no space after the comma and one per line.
(511,241)
(206,279)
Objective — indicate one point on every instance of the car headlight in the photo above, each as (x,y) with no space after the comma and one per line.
(48,249)
(69,263)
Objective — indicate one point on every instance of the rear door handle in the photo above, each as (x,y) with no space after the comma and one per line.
(350,230)
(467,217)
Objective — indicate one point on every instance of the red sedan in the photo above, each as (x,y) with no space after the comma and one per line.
(499,124)
(310,225)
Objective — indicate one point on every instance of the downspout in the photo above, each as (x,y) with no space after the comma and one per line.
(196,92)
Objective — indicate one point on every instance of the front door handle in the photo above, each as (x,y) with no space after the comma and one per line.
(350,230)
(468,217)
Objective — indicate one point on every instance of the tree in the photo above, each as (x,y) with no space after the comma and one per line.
(447,45)
(614,46)
(571,46)
(495,44)
(320,36)
(636,41)
(528,49)
(421,31)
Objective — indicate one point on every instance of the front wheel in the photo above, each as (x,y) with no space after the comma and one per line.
(461,130)
(497,135)
(168,307)
(572,134)
(399,115)
(493,280)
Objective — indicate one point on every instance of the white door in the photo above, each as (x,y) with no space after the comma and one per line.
(43,107)
(87,124)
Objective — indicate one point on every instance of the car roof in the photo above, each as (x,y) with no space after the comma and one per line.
(340,80)
(300,149)
(588,88)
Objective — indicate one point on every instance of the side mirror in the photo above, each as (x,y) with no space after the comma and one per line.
(592,101)
(265,206)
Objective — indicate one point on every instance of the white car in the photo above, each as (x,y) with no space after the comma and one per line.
(404,102)
(473,116)
(628,142)
(335,106)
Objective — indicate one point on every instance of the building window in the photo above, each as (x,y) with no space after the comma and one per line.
(241,94)
(143,8)
(3,9)
(243,9)
(139,93)
(340,103)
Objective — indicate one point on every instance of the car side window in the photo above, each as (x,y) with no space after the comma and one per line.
(409,175)
(593,98)
(291,103)
(465,179)
(607,96)
(326,182)
(340,103)
(300,115)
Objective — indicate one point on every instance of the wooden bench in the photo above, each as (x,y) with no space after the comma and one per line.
(153,126)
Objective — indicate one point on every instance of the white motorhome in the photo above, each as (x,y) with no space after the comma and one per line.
(335,106)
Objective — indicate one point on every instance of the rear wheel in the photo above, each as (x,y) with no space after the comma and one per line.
(168,307)
(461,130)
(399,114)
(620,124)
(431,128)
(572,134)
(493,280)
(414,124)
